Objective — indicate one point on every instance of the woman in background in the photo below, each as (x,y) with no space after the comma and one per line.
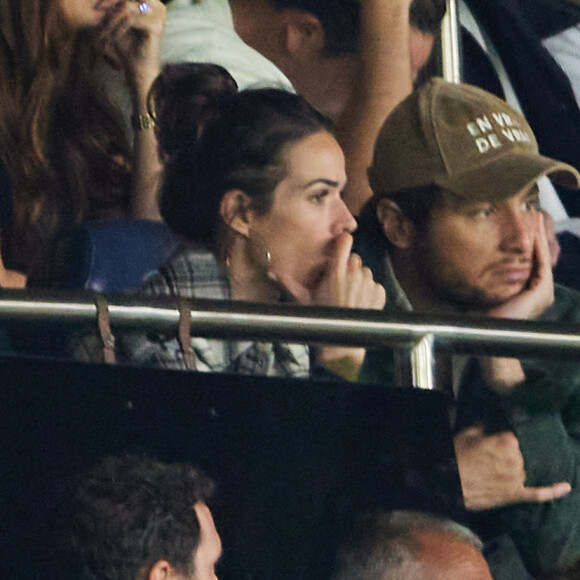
(63,143)
(253,183)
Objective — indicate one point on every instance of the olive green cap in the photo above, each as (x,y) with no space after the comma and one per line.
(464,140)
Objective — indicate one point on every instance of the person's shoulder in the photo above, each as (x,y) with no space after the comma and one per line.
(566,306)
(204,31)
(188,269)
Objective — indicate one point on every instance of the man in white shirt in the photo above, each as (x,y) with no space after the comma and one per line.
(354,61)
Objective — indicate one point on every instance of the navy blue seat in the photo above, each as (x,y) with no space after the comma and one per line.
(113,255)
(108,255)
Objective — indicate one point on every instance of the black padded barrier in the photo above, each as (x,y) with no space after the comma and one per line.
(293,459)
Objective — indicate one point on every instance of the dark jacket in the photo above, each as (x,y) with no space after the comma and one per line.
(516,28)
(544,413)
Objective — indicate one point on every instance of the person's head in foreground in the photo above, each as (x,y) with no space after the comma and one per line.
(136,518)
(407,545)
(257,176)
(455,200)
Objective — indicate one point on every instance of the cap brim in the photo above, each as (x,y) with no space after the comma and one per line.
(506,176)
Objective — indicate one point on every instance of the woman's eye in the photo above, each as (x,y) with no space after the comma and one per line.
(319,196)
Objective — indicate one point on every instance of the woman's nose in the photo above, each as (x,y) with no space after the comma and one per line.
(344,220)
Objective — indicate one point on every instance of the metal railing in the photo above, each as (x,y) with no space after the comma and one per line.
(450,44)
(415,339)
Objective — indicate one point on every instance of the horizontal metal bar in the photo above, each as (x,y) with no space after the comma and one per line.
(291,322)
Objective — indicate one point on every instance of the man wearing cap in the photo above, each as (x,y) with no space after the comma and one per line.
(453,228)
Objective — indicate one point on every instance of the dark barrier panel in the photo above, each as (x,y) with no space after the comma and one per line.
(293,459)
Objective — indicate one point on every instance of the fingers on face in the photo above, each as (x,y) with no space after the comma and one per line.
(541,237)
(361,291)
(115,21)
(542,241)
(127,14)
(343,256)
(354,263)
(543,266)
(107,5)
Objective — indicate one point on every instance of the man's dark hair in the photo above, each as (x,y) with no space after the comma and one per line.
(339,19)
(130,512)
(416,204)
(426,15)
(382,543)
(341,22)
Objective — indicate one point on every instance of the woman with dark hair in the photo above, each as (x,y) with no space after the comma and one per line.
(62,141)
(253,183)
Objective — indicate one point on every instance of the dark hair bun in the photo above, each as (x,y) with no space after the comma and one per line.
(184,98)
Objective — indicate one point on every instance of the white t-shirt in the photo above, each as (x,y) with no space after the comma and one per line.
(203,31)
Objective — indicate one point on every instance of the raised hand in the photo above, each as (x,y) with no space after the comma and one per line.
(539,294)
(130,38)
(503,374)
(347,284)
(491,469)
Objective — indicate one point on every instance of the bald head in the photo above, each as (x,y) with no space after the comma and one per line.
(400,545)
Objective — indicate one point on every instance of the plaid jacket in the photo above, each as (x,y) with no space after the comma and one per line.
(195,273)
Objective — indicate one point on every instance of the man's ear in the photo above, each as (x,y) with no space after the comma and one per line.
(161,570)
(397,228)
(235,209)
(304,34)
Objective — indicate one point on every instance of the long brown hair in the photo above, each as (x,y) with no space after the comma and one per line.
(61,140)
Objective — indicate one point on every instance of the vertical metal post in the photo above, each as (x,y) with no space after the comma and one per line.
(415,365)
(450,45)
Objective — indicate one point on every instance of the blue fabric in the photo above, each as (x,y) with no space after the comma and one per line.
(108,255)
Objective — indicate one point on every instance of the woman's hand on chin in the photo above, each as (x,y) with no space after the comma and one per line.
(346,282)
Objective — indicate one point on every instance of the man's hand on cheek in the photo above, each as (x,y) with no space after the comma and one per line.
(503,374)
(539,293)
